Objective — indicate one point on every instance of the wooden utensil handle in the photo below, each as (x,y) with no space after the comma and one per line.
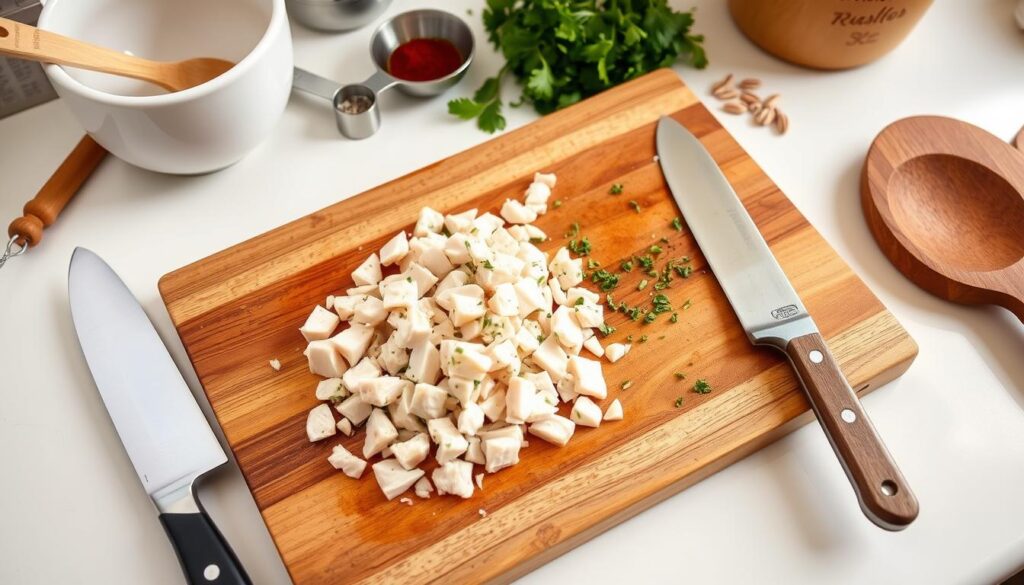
(28,42)
(884,495)
(43,209)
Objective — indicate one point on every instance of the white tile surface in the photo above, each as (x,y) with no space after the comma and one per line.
(71,509)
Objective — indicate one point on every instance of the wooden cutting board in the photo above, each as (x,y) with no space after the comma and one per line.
(241,307)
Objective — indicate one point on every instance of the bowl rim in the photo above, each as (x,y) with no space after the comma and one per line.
(58,76)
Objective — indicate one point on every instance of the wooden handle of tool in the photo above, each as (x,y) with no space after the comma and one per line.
(28,42)
(884,495)
(44,208)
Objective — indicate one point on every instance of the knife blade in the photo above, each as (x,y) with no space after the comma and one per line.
(167,437)
(772,314)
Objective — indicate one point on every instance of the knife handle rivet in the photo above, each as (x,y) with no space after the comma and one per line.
(211,572)
(816,356)
(848,415)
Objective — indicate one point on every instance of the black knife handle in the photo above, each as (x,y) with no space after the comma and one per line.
(204,554)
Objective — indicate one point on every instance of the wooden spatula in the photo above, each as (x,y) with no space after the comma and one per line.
(28,42)
(945,200)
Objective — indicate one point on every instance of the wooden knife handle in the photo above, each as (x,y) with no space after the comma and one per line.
(884,495)
(43,209)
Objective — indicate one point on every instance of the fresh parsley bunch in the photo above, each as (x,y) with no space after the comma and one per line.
(566,50)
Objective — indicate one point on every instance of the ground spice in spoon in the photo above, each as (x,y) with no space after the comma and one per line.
(424,60)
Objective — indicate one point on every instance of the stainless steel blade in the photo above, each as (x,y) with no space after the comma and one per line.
(758,290)
(167,438)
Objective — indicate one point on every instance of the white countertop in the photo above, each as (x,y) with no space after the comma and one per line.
(73,511)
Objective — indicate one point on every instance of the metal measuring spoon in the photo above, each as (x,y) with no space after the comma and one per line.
(362,122)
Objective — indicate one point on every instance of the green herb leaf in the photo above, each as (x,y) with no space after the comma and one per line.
(677,224)
(701,386)
(616,189)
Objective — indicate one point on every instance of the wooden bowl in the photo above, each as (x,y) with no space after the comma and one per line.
(945,201)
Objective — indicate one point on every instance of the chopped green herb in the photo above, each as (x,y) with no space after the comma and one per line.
(643,339)
(687,304)
(458,350)
(661,304)
(652,273)
(680,375)
(629,339)
(605,279)
(536,240)
(634,313)
(592,264)
(663,240)
(556,203)
(616,189)
(650,317)
(580,247)
(626,266)
(701,386)
(642,285)
(656,249)
(677,224)
(634,205)
(674,318)
(579,301)
(611,302)
(606,329)
(487,264)
(646,262)
(684,271)
(679,402)
(626,385)
(574,230)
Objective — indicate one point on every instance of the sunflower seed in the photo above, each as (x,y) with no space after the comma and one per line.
(754,107)
(723,83)
(770,100)
(765,116)
(726,93)
(734,108)
(750,83)
(749,98)
(781,122)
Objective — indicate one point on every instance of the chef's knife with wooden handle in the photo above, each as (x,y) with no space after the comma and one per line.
(772,314)
(167,438)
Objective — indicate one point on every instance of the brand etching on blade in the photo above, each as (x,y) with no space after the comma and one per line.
(785,312)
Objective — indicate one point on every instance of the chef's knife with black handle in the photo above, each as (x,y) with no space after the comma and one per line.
(167,438)
(772,314)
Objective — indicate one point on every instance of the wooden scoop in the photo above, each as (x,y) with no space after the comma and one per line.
(28,42)
(945,201)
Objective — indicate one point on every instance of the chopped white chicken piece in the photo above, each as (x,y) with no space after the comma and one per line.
(414,329)
(400,293)
(396,249)
(429,222)
(366,369)
(566,388)
(479,480)
(422,488)
(369,311)
(424,363)
(386,452)
(587,376)
(500,452)
(368,272)
(502,354)
(565,329)
(544,406)
(471,419)
(457,248)
(424,279)
(504,302)
(556,430)
(406,501)
(537,195)
(519,400)
(324,359)
(393,479)
(593,345)
(462,390)
(450,443)
(567,270)
(515,212)
(556,292)
(526,341)
(460,222)
(352,342)
(615,351)
(454,477)
(275,364)
(428,401)
(412,452)
(401,412)
(614,411)
(381,391)
(393,356)
(585,412)
(379,433)
(348,463)
(475,452)
(363,290)
(345,306)
(529,297)
(486,224)
(329,388)
(552,358)
(354,409)
(494,406)
(320,324)
(548,179)
(345,427)
(329,303)
(465,360)
(320,423)
(454,279)
(436,261)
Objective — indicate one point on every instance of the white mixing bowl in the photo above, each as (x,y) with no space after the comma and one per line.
(201,129)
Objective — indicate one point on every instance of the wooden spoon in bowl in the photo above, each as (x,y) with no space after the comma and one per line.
(28,42)
(945,201)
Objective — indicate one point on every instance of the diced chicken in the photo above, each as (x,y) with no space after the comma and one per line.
(400,293)
(479,480)
(504,302)
(412,452)
(515,212)
(354,409)
(471,419)
(537,195)
(486,224)
(475,452)
(500,452)
(393,357)
(519,400)
(460,222)
(428,401)
(546,178)
(393,479)
(424,363)
(396,249)
(352,342)
(450,443)
(275,364)
(565,329)
(588,377)
(566,388)
(552,358)
(567,270)
(556,430)
(330,388)
(366,369)
(422,488)
(615,351)
(324,359)
(368,272)
(381,391)
(494,406)
(454,477)
(593,345)
(585,412)
(614,411)
(320,324)
(345,306)
(348,463)
(369,311)
(345,427)
(320,423)
(424,279)
(430,222)
(401,412)
(379,433)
